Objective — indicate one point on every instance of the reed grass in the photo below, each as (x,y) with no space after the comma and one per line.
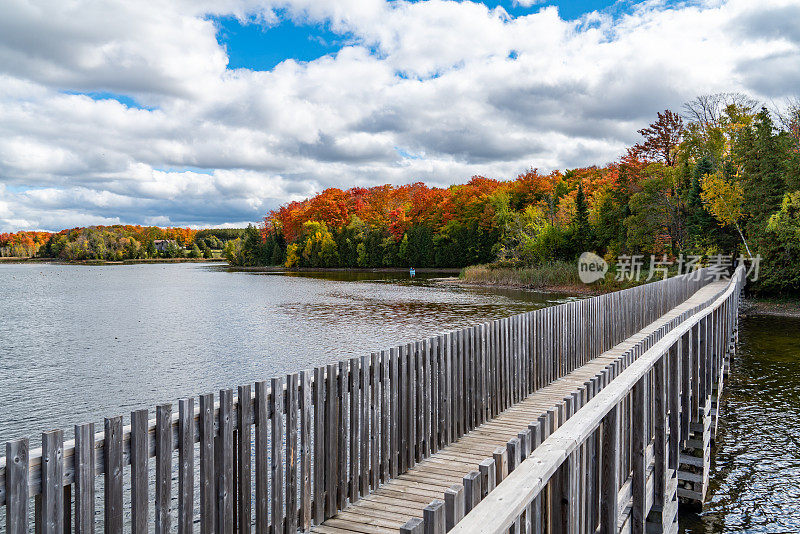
(554,274)
(558,275)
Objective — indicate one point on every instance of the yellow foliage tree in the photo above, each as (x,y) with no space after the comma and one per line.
(292,255)
(724,199)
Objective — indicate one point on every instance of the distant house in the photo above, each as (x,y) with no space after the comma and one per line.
(162,244)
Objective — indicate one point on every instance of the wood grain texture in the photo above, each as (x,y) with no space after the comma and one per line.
(306,430)
(113,481)
(244,461)
(276,409)
(52,482)
(223,464)
(139,472)
(17,493)
(163,504)
(84,462)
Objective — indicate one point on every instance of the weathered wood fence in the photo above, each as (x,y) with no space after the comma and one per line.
(282,455)
(607,458)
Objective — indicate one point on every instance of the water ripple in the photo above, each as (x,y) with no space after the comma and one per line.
(754,479)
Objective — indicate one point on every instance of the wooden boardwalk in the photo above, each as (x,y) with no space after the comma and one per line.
(390,506)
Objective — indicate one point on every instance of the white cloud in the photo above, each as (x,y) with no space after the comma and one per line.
(159,220)
(468,88)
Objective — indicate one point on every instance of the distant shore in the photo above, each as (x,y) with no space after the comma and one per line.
(773,307)
(280,269)
(110,262)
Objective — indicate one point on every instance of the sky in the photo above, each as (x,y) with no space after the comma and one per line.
(211,113)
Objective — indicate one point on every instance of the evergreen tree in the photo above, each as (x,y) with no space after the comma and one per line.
(700,224)
(762,166)
(419,251)
(582,235)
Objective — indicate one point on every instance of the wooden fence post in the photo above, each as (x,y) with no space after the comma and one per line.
(414,525)
(660,431)
(139,472)
(472,490)
(454,505)
(500,464)
(84,478)
(17,492)
(319,445)
(223,464)
(262,456)
(610,481)
(674,405)
(52,482)
(488,474)
(433,516)
(112,467)
(292,407)
(276,406)
(306,430)
(638,480)
(331,450)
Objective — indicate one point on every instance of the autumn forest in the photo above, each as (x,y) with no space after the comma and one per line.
(720,176)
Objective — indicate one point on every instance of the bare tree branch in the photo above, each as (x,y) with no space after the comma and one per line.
(708,109)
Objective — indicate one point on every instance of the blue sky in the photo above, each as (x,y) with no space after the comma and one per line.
(253,45)
(125,100)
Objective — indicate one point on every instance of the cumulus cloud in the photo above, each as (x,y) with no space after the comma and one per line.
(435,91)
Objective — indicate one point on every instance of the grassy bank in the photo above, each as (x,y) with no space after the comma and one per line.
(554,276)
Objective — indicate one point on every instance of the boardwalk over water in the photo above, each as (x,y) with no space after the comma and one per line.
(389,508)
(594,415)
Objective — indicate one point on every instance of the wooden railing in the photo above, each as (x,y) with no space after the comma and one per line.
(610,450)
(291,452)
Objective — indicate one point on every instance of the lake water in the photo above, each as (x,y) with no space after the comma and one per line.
(82,342)
(756,468)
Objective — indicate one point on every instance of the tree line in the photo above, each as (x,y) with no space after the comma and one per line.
(118,242)
(22,244)
(720,176)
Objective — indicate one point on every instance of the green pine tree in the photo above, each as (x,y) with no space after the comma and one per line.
(583,237)
(762,164)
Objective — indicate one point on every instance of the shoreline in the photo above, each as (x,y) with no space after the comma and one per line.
(766,307)
(279,269)
(582,290)
(754,306)
(57,261)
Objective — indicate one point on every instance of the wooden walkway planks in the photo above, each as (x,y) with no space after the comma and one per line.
(388,508)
